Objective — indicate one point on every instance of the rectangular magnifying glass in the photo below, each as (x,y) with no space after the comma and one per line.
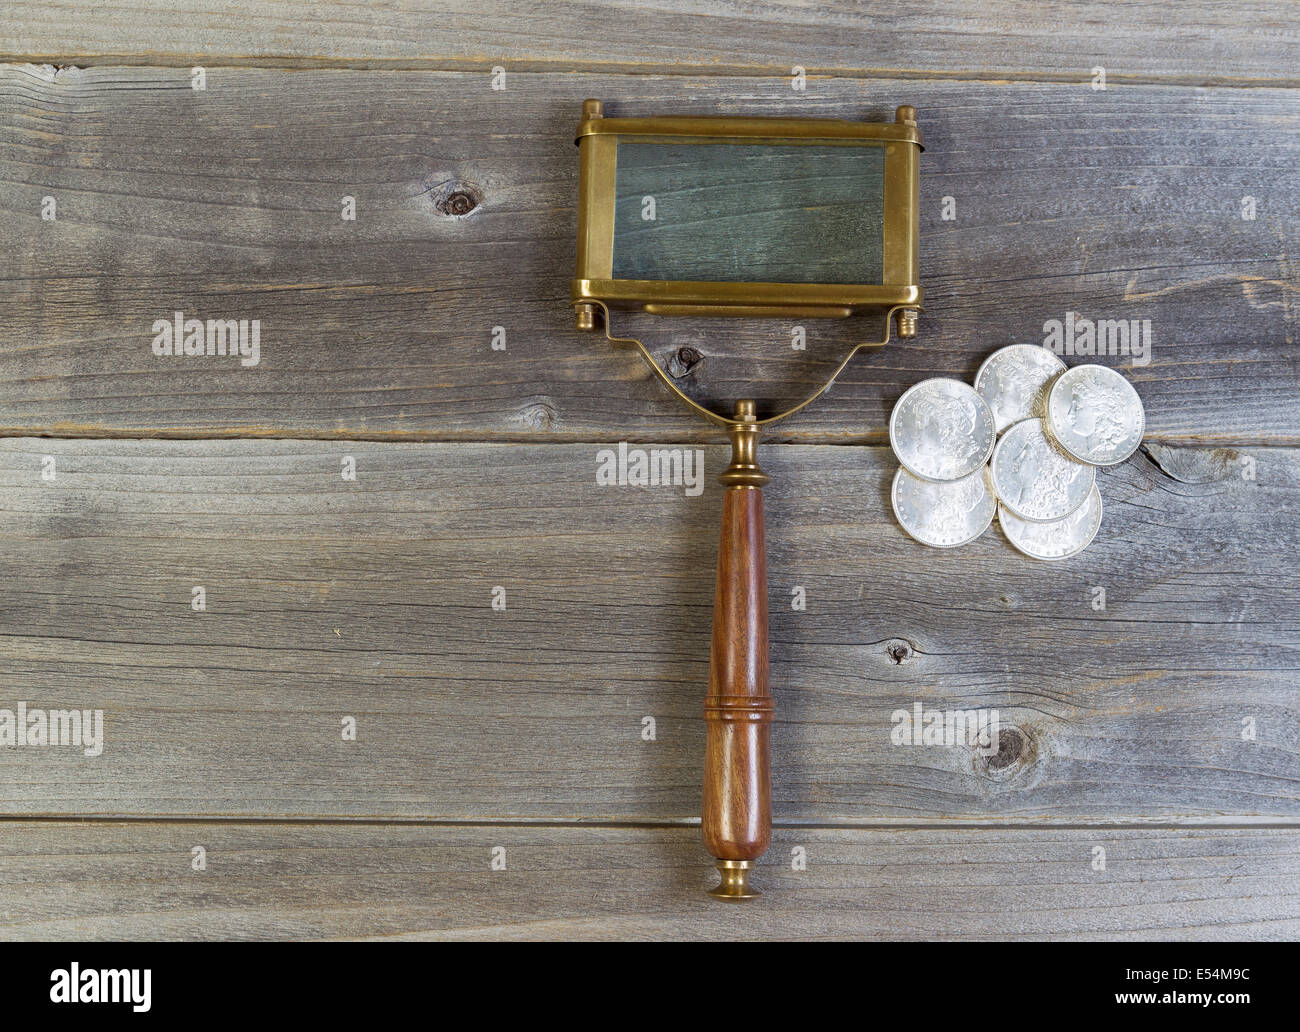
(757,217)
(750,217)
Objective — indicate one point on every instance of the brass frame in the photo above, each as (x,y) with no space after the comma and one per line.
(726,422)
(593,288)
(597,141)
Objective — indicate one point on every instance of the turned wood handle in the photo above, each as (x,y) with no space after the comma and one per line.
(737,815)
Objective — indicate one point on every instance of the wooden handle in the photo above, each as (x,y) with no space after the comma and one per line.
(737,817)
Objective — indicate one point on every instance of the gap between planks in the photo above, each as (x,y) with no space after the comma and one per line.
(1010,824)
(659,70)
(701,436)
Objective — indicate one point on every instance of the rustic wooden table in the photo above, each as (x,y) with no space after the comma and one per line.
(343,735)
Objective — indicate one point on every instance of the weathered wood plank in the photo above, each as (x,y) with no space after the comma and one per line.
(225,204)
(123,881)
(328,598)
(1194,42)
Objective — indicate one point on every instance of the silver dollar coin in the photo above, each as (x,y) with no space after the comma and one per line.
(1014,382)
(941,430)
(1058,539)
(943,515)
(1035,480)
(1095,415)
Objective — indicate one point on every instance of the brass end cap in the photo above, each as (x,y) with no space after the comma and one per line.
(585,316)
(735,881)
(906,114)
(592,109)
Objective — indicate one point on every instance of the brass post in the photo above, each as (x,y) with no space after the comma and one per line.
(906,321)
(585,315)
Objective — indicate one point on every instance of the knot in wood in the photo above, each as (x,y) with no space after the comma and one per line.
(899,651)
(683,360)
(455,198)
(1013,747)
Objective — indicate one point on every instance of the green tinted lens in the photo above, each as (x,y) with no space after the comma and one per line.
(749,212)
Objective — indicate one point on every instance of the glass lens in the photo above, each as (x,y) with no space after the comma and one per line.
(749,212)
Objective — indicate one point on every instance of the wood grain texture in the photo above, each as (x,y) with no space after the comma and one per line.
(736,816)
(134,881)
(1197,42)
(328,598)
(225,204)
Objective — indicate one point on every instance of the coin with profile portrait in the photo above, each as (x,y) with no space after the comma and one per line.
(943,515)
(1095,415)
(1014,381)
(1034,479)
(1056,539)
(941,430)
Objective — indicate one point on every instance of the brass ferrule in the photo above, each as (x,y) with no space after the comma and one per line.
(744,473)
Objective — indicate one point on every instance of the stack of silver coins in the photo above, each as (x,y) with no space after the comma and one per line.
(1023,444)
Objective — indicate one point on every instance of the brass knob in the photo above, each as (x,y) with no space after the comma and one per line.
(744,471)
(586,316)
